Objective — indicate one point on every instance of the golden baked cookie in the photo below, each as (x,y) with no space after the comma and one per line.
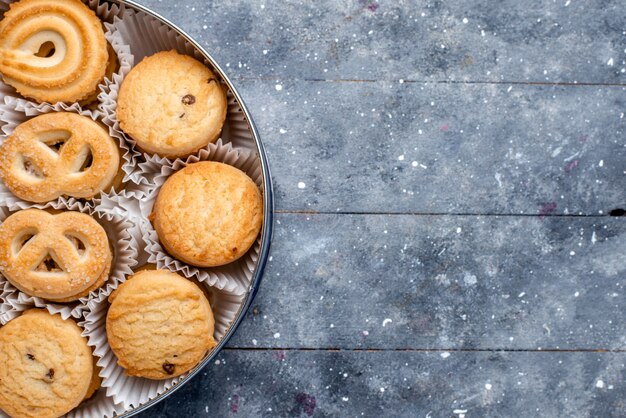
(208,214)
(52,51)
(171,105)
(47,366)
(59,154)
(58,257)
(113,63)
(159,324)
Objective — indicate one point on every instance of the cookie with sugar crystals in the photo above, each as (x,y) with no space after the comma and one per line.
(171,105)
(60,154)
(59,257)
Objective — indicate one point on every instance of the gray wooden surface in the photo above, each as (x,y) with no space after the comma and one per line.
(444,174)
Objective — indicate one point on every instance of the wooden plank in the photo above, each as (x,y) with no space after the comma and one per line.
(537,41)
(441,282)
(441,148)
(403,384)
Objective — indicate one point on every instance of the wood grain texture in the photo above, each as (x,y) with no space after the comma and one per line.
(443,172)
(441,282)
(521,41)
(443,148)
(403,384)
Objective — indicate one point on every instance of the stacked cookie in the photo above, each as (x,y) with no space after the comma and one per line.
(207,214)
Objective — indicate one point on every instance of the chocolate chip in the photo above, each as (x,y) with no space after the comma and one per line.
(30,356)
(234,249)
(50,374)
(189,99)
(181,115)
(168,367)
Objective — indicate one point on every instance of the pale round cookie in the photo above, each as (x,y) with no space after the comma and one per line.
(171,105)
(208,214)
(160,325)
(47,366)
(59,257)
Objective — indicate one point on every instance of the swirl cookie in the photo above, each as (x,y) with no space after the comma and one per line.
(219,220)
(59,257)
(171,105)
(59,154)
(52,51)
(159,325)
(113,64)
(47,366)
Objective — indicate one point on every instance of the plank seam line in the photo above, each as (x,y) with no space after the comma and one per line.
(410,81)
(432,350)
(527,215)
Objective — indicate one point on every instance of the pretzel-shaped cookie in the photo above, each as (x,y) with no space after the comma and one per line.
(52,51)
(56,257)
(85,163)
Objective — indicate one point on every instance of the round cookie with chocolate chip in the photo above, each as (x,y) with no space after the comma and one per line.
(159,325)
(171,105)
(47,367)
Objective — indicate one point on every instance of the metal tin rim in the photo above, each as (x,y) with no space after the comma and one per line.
(268,216)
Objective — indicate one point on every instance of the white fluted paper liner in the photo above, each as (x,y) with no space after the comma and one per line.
(98,406)
(135,391)
(233,277)
(7,296)
(125,58)
(154,35)
(106,11)
(15,111)
(124,258)
(6,290)
(128,207)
